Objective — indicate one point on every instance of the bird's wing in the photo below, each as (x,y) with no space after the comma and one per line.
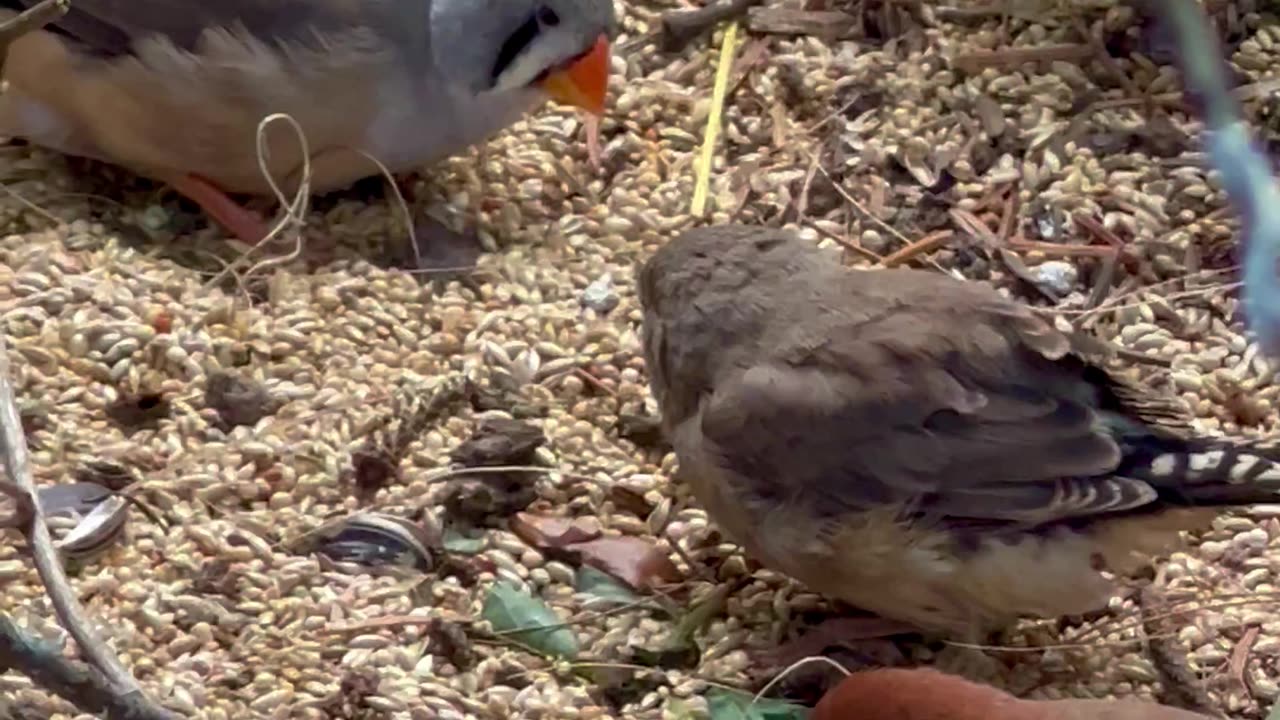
(163,110)
(110,27)
(960,406)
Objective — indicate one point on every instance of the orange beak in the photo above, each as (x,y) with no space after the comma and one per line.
(584,83)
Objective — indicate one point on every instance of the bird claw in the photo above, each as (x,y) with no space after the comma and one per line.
(440,254)
(867,637)
(968,662)
(247,226)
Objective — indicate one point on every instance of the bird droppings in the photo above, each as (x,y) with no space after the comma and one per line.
(925,122)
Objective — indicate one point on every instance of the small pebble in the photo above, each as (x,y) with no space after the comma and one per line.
(601,295)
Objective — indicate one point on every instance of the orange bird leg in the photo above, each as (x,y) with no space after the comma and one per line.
(246,225)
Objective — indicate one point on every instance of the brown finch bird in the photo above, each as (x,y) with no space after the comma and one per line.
(916,445)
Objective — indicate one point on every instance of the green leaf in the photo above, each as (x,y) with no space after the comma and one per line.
(678,709)
(729,705)
(1275,712)
(459,544)
(527,620)
(680,649)
(700,614)
(672,655)
(598,584)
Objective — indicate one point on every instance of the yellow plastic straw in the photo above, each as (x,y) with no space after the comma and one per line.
(703,172)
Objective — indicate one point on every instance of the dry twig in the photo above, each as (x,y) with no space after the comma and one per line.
(828,25)
(977,61)
(845,243)
(23,509)
(1240,656)
(971,14)
(683,27)
(86,688)
(862,209)
(923,246)
(126,695)
(1181,686)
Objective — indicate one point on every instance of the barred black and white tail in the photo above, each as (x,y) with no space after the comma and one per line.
(1206,471)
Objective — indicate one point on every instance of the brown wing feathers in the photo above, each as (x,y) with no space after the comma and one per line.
(862,387)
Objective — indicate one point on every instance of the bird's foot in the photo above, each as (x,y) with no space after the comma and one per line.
(435,251)
(867,637)
(247,226)
(438,253)
(407,184)
(594,153)
(968,662)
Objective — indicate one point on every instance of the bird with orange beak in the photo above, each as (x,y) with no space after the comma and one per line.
(176,89)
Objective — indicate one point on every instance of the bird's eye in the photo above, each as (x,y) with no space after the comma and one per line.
(548,17)
(543,17)
(515,44)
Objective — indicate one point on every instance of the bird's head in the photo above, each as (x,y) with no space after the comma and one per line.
(716,267)
(560,48)
(707,296)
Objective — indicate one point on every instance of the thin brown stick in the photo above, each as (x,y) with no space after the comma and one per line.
(683,27)
(84,687)
(962,14)
(17,464)
(978,61)
(849,245)
(753,55)
(1098,230)
(1009,220)
(1037,649)
(1176,99)
(1240,656)
(1141,358)
(974,225)
(1110,307)
(853,202)
(23,509)
(1058,250)
(983,13)
(1181,686)
(802,202)
(924,245)
(828,25)
(394,622)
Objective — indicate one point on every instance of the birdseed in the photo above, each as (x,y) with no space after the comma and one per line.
(105,303)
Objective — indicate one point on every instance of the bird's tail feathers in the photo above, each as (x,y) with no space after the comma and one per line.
(1207,471)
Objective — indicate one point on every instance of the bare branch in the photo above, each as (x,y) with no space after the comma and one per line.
(23,509)
(13,445)
(85,688)
(682,27)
